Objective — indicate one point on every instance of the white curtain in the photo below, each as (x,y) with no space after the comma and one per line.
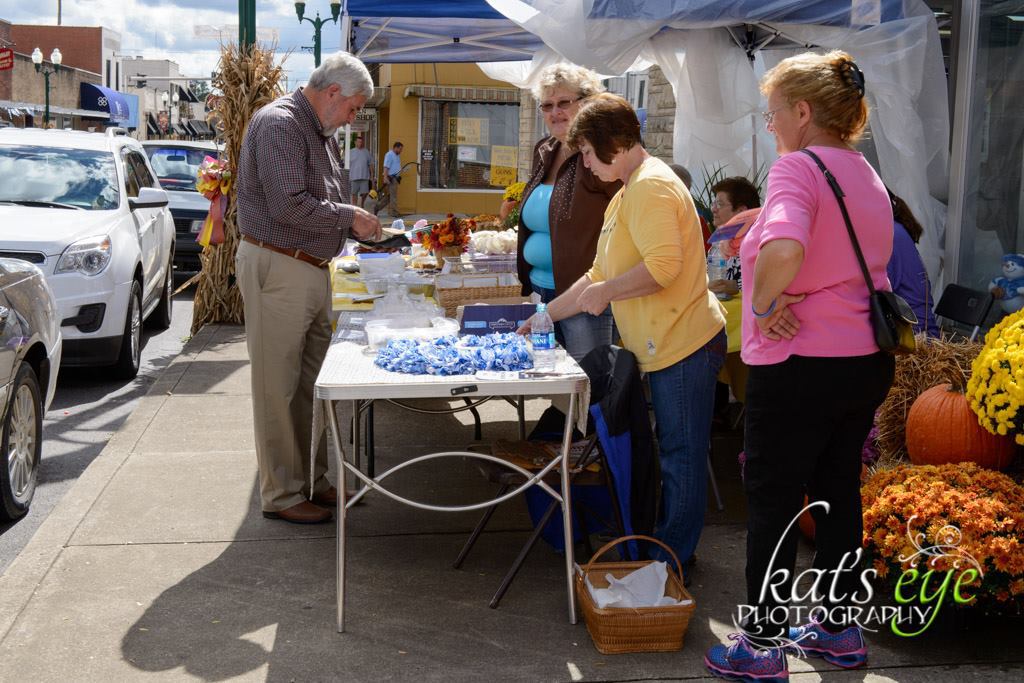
(718,104)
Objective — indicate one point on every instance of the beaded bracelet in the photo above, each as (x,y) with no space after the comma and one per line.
(771,309)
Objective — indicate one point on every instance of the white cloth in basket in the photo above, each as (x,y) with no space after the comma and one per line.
(644,587)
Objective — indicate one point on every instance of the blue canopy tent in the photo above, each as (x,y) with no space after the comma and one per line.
(444,31)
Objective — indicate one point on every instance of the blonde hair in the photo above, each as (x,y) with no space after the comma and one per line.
(831,83)
(580,80)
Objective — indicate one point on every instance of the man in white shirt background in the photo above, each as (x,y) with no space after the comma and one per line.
(392,169)
(360,172)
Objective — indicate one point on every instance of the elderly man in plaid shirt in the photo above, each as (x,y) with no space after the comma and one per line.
(294,216)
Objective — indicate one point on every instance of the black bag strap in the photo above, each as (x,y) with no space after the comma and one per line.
(838,192)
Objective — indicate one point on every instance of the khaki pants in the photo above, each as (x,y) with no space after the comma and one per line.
(393,197)
(287,333)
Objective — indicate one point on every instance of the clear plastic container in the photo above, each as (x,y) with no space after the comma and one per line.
(375,266)
(381,330)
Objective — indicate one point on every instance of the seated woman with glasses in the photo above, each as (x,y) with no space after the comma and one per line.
(732,196)
(563,208)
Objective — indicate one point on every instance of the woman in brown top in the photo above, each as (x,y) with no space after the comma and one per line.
(563,208)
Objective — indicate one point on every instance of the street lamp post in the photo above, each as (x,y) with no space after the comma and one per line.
(318,23)
(168,100)
(55,58)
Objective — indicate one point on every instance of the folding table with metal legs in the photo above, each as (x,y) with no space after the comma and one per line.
(348,374)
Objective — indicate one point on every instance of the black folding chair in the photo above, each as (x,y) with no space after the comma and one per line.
(966,306)
(586,454)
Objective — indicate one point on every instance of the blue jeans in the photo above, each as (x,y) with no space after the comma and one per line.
(582,332)
(684,396)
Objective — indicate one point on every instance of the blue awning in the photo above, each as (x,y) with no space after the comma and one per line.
(98,98)
(438,31)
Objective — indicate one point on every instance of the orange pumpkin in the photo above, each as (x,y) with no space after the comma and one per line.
(806,521)
(942,428)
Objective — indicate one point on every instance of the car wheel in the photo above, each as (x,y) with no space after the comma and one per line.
(21,444)
(160,318)
(127,366)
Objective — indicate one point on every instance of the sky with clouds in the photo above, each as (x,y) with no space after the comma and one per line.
(166,29)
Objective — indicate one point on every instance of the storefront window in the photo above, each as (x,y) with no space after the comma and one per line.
(468,145)
(993,217)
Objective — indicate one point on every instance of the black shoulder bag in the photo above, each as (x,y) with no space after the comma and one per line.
(892,318)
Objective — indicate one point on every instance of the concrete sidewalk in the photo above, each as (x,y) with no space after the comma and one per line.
(157,565)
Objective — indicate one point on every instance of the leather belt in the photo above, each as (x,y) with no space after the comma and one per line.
(294,253)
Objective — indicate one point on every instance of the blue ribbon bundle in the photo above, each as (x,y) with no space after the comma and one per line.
(450,355)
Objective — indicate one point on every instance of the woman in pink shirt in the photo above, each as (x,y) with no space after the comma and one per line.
(816,374)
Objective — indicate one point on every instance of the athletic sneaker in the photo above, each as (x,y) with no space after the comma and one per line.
(845,649)
(743,662)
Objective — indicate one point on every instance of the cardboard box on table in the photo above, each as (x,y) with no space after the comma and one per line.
(503,314)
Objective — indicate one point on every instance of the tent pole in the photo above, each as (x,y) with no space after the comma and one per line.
(346,42)
(753,117)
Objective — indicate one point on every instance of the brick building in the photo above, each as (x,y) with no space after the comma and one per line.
(90,48)
(6,77)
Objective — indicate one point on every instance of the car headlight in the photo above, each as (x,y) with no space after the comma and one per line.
(88,257)
(197,226)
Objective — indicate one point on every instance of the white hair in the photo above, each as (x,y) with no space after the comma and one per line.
(578,79)
(345,71)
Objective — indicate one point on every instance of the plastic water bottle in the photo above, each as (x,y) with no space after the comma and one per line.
(542,337)
(717,264)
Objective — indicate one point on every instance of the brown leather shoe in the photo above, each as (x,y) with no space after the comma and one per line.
(302,513)
(327,498)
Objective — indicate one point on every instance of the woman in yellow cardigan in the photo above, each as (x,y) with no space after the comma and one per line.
(650,266)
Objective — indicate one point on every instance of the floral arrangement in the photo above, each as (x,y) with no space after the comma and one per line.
(510,208)
(948,517)
(450,355)
(514,192)
(996,387)
(451,233)
(214,183)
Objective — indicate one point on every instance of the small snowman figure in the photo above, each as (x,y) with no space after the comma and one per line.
(1009,289)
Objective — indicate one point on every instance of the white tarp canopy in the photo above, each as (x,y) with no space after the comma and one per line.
(714,51)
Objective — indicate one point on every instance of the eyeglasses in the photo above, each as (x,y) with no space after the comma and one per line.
(769,116)
(548,107)
(716,204)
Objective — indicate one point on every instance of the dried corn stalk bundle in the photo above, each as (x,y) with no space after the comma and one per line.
(936,361)
(248,79)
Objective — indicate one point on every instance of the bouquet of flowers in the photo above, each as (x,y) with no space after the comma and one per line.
(451,235)
(214,182)
(996,387)
(510,208)
(948,517)
(514,192)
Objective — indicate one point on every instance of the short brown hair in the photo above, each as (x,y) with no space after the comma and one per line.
(608,124)
(831,83)
(740,190)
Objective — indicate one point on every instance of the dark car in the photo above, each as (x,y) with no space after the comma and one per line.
(176,164)
(30,351)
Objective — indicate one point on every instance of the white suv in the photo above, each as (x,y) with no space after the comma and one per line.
(87,209)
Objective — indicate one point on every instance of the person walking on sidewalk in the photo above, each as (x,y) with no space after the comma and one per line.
(392,177)
(360,172)
(294,218)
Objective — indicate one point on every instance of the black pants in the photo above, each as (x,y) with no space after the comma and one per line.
(806,422)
